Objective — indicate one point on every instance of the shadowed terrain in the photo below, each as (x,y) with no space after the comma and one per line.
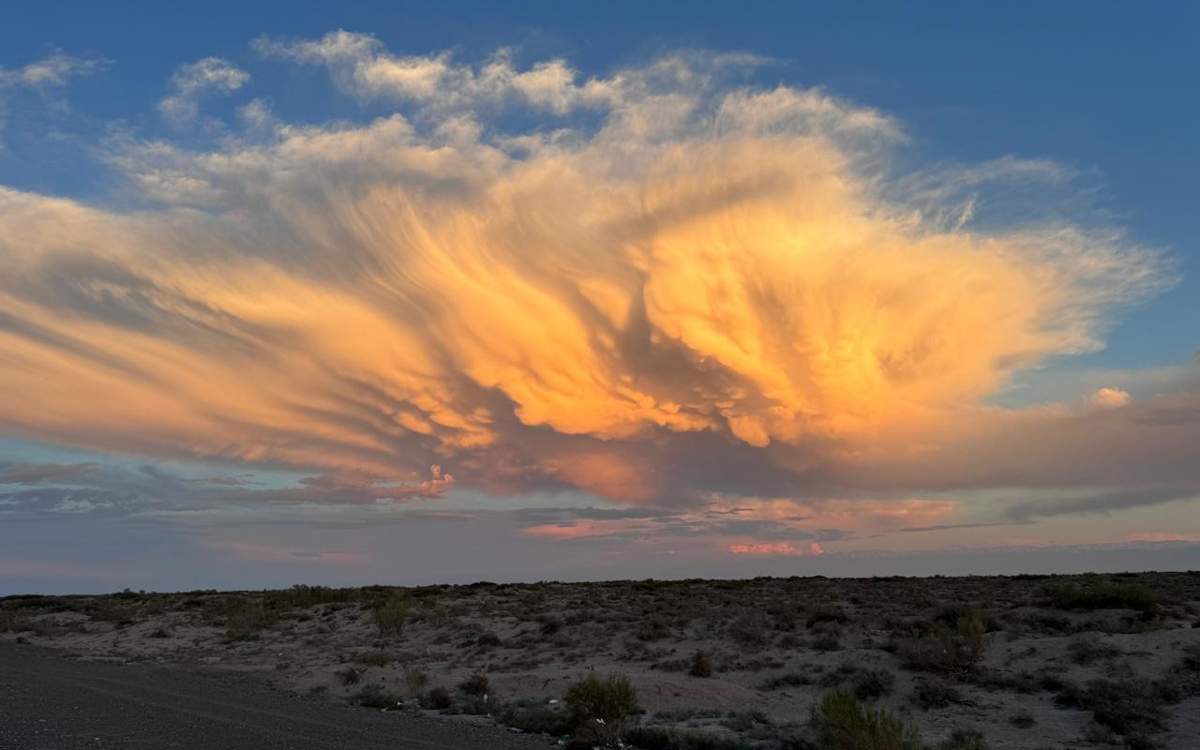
(1002,662)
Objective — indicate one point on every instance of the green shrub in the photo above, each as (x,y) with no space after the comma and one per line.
(392,614)
(948,651)
(661,738)
(842,723)
(1130,707)
(1104,595)
(244,618)
(536,718)
(599,706)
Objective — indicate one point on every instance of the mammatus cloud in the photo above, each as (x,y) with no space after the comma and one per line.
(194,80)
(662,286)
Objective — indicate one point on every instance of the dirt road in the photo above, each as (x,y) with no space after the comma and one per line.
(51,702)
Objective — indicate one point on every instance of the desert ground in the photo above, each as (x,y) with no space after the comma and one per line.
(966,663)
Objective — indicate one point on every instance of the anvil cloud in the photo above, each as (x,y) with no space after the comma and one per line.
(659,286)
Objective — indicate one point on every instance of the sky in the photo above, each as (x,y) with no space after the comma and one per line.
(444,292)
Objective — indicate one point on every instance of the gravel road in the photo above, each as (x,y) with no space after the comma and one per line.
(49,701)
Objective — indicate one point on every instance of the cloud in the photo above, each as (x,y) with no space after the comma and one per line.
(52,71)
(1109,398)
(699,289)
(27,473)
(44,76)
(193,81)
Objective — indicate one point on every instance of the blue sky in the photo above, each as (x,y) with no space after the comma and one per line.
(1029,121)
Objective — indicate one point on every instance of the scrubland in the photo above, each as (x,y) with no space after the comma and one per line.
(1034,662)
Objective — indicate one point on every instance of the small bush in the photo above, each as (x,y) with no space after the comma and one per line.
(1085,650)
(958,651)
(372,658)
(488,640)
(375,696)
(964,739)
(392,614)
(437,698)
(842,723)
(476,685)
(599,706)
(245,618)
(934,694)
(415,680)
(870,684)
(701,665)
(1103,595)
(1132,707)
(786,680)
(536,719)
(660,738)
(1022,719)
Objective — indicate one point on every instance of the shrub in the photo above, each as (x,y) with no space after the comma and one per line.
(599,706)
(415,680)
(1104,595)
(392,614)
(652,629)
(437,698)
(963,739)
(786,680)
(842,723)
(536,719)
(1131,707)
(1085,650)
(372,658)
(488,640)
(245,618)
(934,694)
(870,684)
(701,665)
(957,651)
(374,696)
(661,738)
(1022,719)
(476,684)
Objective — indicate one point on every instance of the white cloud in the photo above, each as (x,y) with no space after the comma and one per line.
(193,80)
(51,71)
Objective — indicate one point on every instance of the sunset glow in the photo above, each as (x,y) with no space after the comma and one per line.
(667,305)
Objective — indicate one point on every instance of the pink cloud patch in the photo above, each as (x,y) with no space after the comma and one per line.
(776,549)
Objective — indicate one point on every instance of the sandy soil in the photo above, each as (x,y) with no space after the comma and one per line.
(1027,662)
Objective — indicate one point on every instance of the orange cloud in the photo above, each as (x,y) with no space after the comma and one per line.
(776,549)
(550,309)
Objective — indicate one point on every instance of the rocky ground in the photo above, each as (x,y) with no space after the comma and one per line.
(1000,662)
